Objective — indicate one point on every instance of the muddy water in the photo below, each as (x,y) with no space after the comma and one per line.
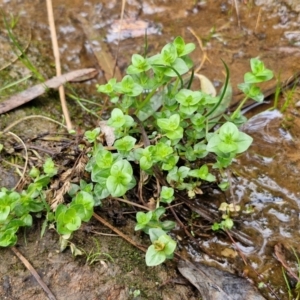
(267,176)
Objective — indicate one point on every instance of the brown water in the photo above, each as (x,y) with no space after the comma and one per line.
(267,176)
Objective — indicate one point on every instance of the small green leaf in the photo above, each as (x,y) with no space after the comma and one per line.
(169,244)
(228,223)
(179,65)
(4,212)
(200,150)
(125,144)
(139,64)
(143,219)
(166,194)
(229,140)
(170,163)
(182,48)
(259,72)
(129,87)
(169,124)
(178,174)
(169,54)
(34,172)
(224,185)
(27,220)
(49,167)
(87,201)
(216,227)
(155,233)
(153,257)
(175,134)
(120,179)
(203,174)
(40,182)
(162,247)
(188,97)
(252,91)
(98,174)
(188,110)
(117,118)
(158,212)
(8,238)
(91,135)
(146,162)
(183,172)
(162,151)
(121,166)
(168,225)
(71,220)
(129,122)
(107,88)
(100,190)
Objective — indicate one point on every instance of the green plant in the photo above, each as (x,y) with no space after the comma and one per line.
(135,293)
(154,104)
(159,128)
(150,220)
(16,209)
(95,254)
(259,73)
(228,211)
(69,217)
(163,247)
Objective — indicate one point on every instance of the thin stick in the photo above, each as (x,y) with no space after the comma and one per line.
(34,273)
(258,20)
(121,234)
(119,34)
(57,63)
(26,157)
(204,56)
(237,12)
(132,203)
(104,234)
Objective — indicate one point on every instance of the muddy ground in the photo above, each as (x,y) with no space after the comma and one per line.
(119,271)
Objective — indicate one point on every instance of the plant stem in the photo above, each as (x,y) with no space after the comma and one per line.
(239,107)
(145,101)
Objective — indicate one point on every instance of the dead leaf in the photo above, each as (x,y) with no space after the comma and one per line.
(37,90)
(214,284)
(206,85)
(108,132)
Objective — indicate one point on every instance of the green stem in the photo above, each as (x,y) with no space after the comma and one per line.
(145,101)
(175,87)
(239,107)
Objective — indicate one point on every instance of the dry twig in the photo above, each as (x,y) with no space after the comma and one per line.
(120,233)
(33,272)
(26,158)
(57,63)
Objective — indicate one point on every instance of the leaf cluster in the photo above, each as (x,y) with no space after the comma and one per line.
(159,122)
(160,125)
(17,208)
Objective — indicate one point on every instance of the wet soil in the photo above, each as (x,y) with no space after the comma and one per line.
(118,271)
(265,178)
